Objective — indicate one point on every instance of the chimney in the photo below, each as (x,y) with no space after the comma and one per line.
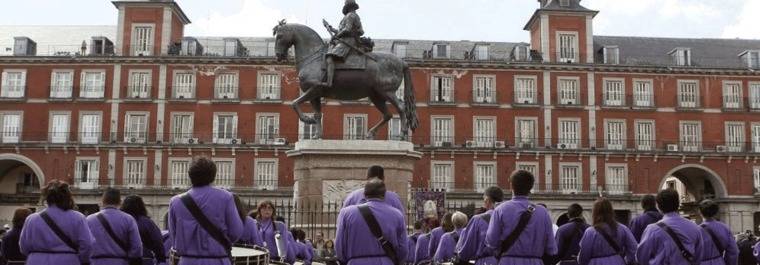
(542,3)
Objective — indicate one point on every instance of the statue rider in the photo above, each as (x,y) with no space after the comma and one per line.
(344,38)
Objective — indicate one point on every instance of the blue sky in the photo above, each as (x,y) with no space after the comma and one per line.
(483,20)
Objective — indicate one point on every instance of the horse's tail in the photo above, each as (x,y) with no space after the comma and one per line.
(410,104)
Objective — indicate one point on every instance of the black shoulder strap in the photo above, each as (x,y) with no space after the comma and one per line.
(685,253)
(486,217)
(58,232)
(610,241)
(123,245)
(512,238)
(204,222)
(566,241)
(714,238)
(374,227)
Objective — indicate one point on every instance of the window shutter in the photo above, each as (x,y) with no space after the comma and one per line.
(23,82)
(215,130)
(5,83)
(234,126)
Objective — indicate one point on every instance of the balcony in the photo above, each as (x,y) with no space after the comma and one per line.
(526,98)
(484,142)
(61,93)
(136,93)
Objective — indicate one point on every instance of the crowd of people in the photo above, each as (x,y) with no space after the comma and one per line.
(206,223)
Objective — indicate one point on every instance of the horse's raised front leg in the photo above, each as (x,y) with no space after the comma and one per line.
(309,95)
(316,104)
(379,102)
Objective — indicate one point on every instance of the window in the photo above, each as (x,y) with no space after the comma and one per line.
(753,59)
(484,132)
(182,128)
(531,167)
(441,51)
(184,85)
(521,53)
(14,84)
(568,46)
(267,127)
(525,132)
(399,50)
(688,94)
(732,95)
(481,52)
(93,84)
(225,173)
(269,86)
(89,131)
(86,173)
(643,94)
(564,3)
(754,95)
(569,134)
(483,89)
(270,48)
(142,40)
(443,131)
(569,94)
(226,86)
(442,89)
(136,128)
(570,177)
(756,137)
(11,130)
(611,55)
(735,136)
(485,175)
(691,136)
(179,171)
(617,179)
(615,134)
(266,174)
(225,128)
(645,136)
(139,84)
(134,173)
(525,90)
(61,83)
(442,176)
(614,93)
(394,129)
(59,128)
(756,178)
(307,131)
(354,126)
(681,56)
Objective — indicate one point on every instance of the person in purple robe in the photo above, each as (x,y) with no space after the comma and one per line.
(658,247)
(412,241)
(354,242)
(420,250)
(9,248)
(43,247)
(650,216)
(269,229)
(192,243)
(357,196)
(106,250)
(719,247)
(471,245)
(445,251)
(437,233)
(569,235)
(535,241)
(607,242)
(251,234)
(303,250)
(152,240)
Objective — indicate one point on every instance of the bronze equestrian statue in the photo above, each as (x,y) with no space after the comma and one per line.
(346,72)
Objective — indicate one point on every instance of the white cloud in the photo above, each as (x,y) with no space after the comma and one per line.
(253,19)
(747,24)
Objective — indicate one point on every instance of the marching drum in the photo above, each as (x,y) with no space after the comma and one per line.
(250,255)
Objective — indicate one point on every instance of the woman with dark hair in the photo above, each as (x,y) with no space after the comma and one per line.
(10,251)
(251,234)
(43,247)
(153,249)
(269,229)
(328,254)
(606,242)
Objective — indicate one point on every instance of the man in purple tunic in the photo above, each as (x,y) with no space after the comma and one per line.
(445,251)
(412,242)
(421,249)
(719,247)
(193,243)
(569,235)
(472,245)
(354,242)
(106,250)
(535,241)
(357,196)
(437,233)
(658,247)
(649,216)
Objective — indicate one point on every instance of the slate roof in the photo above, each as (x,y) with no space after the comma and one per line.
(574,5)
(52,39)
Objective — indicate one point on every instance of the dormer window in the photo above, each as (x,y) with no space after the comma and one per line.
(481,52)
(564,3)
(399,49)
(752,58)
(521,53)
(441,51)
(681,56)
(568,47)
(611,55)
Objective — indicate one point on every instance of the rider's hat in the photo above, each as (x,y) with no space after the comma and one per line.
(350,5)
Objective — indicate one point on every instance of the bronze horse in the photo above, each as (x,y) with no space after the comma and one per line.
(379,81)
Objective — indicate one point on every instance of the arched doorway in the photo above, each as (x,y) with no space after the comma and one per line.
(19,175)
(694,183)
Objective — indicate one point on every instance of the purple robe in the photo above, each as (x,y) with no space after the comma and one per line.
(190,239)
(533,243)
(153,247)
(710,254)
(411,246)
(420,251)
(38,242)
(595,250)
(445,251)
(302,252)
(472,245)
(435,239)
(167,242)
(105,251)
(657,247)
(268,231)
(568,240)
(251,235)
(356,197)
(641,222)
(354,242)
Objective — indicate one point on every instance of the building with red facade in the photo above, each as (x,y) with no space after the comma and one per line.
(589,115)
